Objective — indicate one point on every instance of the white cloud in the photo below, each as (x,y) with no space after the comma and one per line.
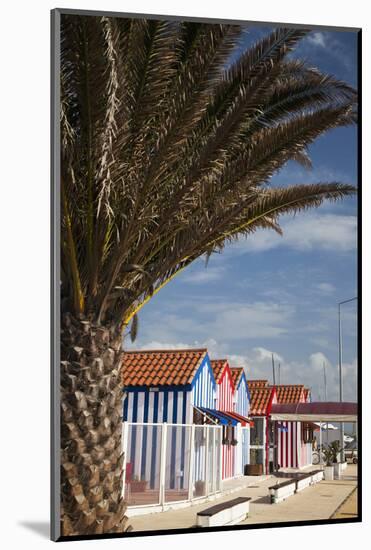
(207,275)
(234,320)
(329,232)
(326,44)
(257,362)
(317,39)
(159,345)
(326,288)
(317,360)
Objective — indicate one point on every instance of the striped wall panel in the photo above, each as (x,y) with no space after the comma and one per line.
(242,398)
(292,451)
(288,444)
(203,386)
(172,405)
(225,393)
(203,395)
(165,405)
(225,402)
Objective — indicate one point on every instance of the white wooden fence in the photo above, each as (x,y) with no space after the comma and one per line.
(168,463)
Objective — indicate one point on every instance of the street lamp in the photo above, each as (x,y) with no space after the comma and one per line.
(341,372)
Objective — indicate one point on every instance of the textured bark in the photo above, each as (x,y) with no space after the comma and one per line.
(91,424)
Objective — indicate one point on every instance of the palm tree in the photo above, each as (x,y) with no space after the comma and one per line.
(170,133)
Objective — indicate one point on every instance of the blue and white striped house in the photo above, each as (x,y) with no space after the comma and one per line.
(165,386)
(242,395)
(242,407)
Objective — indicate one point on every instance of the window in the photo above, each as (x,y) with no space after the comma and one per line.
(257,432)
(229,436)
(307,432)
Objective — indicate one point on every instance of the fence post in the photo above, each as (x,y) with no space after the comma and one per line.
(221,458)
(213,488)
(191,463)
(238,452)
(163,463)
(124,450)
(207,462)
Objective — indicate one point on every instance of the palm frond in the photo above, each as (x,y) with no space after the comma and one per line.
(170,134)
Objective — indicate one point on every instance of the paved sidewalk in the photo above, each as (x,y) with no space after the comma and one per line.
(316,502)
(349,508)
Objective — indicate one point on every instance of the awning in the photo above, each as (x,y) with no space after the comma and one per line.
(225,418)
(325,426)
(315,412)
(241,419)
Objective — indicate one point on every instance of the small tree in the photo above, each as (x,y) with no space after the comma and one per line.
(328,455)
(335,449)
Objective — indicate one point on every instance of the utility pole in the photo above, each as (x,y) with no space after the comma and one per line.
(325,389)
(279,373)
(274,373)
(341,372)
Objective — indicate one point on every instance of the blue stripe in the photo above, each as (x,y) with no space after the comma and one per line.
(175,406)
(135,407)
(184,413)
(154,442)
(166,398)
(145,435)
(126,404)
(155,407)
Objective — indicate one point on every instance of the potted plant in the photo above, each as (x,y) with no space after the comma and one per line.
(329,468)
(138,485)
(336,450)
(254,468)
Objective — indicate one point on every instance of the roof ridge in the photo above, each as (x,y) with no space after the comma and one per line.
(287,385)
(165,350)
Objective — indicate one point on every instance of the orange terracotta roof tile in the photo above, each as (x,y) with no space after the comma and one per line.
(218,366)
(290,393)
(160,367)
(257,383)
(236,375)
(260,398)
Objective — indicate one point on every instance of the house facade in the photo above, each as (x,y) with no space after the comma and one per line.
(179,410)
(225,401)
(165,385)
(293,440)
(286,444)
(242,407)
(262,398)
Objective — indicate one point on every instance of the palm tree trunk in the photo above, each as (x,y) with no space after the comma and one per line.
(91,425)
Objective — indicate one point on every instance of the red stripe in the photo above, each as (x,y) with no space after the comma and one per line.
(281,441)
(287,445)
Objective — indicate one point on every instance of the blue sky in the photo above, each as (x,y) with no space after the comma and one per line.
(270,294)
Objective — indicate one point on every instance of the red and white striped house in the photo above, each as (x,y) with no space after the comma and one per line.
(225,401)
(294,447)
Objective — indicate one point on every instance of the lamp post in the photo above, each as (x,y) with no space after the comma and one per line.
(341,372)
